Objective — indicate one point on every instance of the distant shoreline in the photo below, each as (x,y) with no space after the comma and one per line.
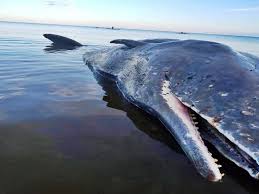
(150,30)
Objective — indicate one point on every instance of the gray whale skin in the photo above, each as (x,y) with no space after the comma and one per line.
(199,90)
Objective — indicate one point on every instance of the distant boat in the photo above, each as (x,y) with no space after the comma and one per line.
(113,28)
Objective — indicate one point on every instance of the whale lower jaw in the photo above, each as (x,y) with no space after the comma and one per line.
(189,137)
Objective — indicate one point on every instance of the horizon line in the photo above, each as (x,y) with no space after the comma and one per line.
(252,35)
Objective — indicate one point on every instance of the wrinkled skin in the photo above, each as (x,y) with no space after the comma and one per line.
(212,80)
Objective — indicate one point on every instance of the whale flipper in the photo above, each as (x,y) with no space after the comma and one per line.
(128,43)
(62,41)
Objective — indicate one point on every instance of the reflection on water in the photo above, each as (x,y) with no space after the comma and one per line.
(142,121)
(57,48)
(64,130)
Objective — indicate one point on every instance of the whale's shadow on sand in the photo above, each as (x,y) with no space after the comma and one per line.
(154,129)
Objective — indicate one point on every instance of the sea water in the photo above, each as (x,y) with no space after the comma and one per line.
(64,130)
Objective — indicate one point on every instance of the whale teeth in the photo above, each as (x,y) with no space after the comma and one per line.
(223,174)
(216,160)
(219,166)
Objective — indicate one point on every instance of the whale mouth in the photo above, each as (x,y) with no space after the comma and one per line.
(224,146)
(193,129)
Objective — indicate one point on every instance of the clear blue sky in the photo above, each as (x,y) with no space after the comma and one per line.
(213,16)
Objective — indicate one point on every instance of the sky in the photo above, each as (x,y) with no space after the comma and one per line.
(208,16)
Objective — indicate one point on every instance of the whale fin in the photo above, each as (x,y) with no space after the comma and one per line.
(159,40)
(62,41)
(128,43)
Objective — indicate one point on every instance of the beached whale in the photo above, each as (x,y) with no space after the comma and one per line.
(198,89)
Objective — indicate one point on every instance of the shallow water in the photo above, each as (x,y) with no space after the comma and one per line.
(64,130)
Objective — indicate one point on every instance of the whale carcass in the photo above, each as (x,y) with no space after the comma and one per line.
(199,90)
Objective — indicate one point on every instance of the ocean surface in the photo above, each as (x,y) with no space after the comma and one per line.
(63,130)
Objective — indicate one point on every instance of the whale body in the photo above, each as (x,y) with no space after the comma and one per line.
(199,90)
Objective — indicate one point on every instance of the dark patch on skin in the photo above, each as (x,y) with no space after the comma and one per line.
(217,120)
(190,77)
(167,75)
(208,76)
(205,110)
